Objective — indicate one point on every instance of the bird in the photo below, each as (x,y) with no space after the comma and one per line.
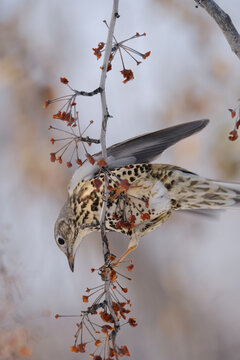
(141,194)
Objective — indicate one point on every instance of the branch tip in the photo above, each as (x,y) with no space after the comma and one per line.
(224,22)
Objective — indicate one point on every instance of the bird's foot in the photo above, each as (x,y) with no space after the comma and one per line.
(124,255)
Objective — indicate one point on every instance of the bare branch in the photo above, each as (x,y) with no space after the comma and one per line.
(108,50)
(105,116)
(88,140)
(224,22)
(91,93)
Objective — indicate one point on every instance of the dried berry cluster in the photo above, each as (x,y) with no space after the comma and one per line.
(102,332)
(121,47)
(69,115)
(235,113)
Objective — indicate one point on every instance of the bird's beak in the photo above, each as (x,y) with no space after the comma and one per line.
(71,261)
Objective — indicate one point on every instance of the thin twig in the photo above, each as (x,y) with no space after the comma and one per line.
(224,22)
(91,93)
(88,140)
(105,116)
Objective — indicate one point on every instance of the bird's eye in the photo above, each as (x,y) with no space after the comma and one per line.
(61,241)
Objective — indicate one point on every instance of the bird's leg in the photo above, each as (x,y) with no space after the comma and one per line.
(124,255)
(132,246)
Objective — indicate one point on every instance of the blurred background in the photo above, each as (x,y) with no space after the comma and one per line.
(185,289)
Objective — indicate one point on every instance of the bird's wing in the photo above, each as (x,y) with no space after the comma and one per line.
(140,149)
(145,148)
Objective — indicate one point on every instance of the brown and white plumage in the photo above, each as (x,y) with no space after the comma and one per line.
(142,195)
(140,149)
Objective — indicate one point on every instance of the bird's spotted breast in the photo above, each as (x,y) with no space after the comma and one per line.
(138,200)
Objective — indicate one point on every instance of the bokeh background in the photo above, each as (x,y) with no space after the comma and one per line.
(186,287)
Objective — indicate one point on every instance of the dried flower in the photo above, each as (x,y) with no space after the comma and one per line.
(79,162)
(90,159)
(106,317)
(127,74)
(69,164)
(59,159)
(97,51)
(74,349)
(111,352)
(102,162)
(147,54)
(132,322)
(53,157)
(82,347)
(106,329)
(233,135)
(64,80)
(97,357)
(145,216)
(130,267)
(85,299)
(97,184)
(123,351)
(132,218)
(233,112)
(113,275)
(46,104)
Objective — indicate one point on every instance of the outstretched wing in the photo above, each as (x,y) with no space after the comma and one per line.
(144,148)
(140,149)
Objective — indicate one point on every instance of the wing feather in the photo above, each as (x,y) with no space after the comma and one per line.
(140,149)
(145,148)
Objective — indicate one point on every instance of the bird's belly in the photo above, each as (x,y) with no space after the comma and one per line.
(146,203)
(159,199)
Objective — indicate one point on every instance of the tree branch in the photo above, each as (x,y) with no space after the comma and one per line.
(91,93)
(108,49)
(105,116)
(224,22)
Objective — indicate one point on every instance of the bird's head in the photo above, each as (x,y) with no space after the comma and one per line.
(67,235)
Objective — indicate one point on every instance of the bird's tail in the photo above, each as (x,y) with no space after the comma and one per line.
(195,192)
